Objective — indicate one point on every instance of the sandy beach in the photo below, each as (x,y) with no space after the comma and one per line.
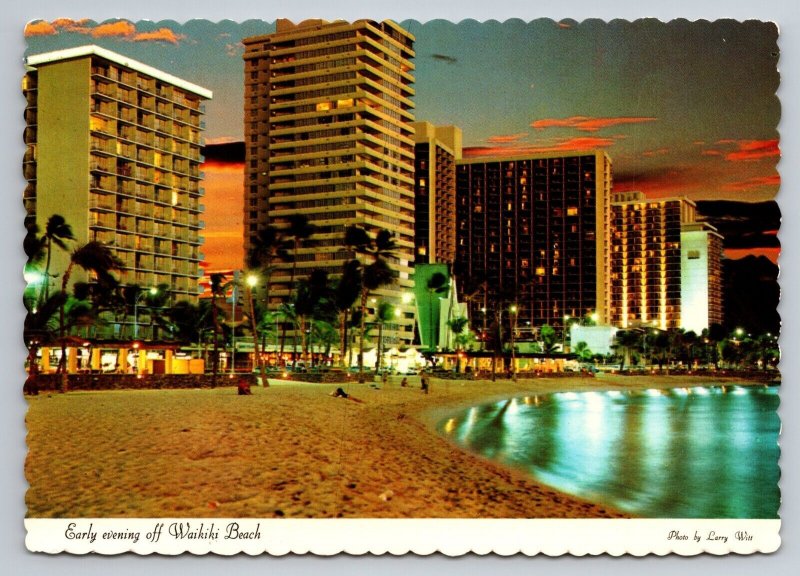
(289,450)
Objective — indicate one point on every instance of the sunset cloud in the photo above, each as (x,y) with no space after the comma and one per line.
(659,152)
(754,150)
(40,28)
(506,138)
(160,35)
(756,182)
(122,29)
(581,144)
(587,123)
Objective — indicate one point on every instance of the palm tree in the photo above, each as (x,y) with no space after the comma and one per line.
(93,257)
(547,339)
(457,326)
(218,288)
(373,275)
(299,230)
(583,352)
(269,246)
(383,314)
(626,342)
(56,232)
(313,295)
(347,291)
(437,284)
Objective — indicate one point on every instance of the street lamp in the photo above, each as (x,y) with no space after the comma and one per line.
(512,310)
(483,333)
(564,333)
(251,282)
(152,292)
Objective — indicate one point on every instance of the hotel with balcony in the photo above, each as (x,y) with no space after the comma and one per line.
(536,230)
(113,145)
(328,135)
(665,265)
(436,150)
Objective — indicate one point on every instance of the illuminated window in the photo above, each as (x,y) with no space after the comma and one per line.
(322,106)
(540,271)
(346,103)
(572,211)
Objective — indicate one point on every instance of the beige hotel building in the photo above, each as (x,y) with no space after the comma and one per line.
(328,134)
(113,145)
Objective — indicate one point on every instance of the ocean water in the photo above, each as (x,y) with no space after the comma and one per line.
(680,453)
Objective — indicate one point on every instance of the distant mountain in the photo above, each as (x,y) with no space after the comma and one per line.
(743,224)
(751,294)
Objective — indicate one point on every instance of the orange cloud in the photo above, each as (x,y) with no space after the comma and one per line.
(756,182)
(659,152)
(40,28)
(754,150)
(581,144)
(121,28)
(711,152)
(223,167)
(507,138)
(160,35)
(589,124)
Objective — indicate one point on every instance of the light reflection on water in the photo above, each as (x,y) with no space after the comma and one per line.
(682,453)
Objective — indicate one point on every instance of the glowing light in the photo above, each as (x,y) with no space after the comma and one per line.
(450,426)
(252,280)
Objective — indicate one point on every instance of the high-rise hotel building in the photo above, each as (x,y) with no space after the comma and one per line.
(328,134)
(536,230)
(436,151)
(113,146)
(665,265)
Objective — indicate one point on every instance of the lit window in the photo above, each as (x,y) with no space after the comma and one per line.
(572,211)
(540,271)
(322,106)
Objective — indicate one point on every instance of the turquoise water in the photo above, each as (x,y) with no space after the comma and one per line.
(681,453)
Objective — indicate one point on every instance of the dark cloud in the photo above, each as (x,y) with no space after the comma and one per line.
(444,58)
(746,225)
(224,153)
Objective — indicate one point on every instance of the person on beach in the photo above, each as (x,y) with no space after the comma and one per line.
(339,393)
(404,383)
(425,385)
(243,387)
(385,378)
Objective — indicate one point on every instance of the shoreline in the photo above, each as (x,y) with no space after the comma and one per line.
(290,450)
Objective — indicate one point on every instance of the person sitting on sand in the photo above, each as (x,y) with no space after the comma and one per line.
(404,383)
(339,393)
(424,383)
(244,387)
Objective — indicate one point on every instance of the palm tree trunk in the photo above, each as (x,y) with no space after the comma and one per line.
(343,338)
(62,330)
(361,336)
(257,353)
(215,353)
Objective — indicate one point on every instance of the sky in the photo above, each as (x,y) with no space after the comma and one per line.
(685,108)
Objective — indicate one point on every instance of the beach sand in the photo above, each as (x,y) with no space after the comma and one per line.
(289,450)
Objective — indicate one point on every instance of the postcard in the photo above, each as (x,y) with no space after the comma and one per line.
(363,286)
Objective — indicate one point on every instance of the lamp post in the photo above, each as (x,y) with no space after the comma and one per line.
(152,292)
(483,333)
(251,282)
(564,333)
(512,310)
